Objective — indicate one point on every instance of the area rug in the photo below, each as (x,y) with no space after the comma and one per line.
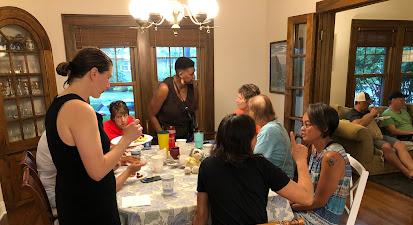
(395,181)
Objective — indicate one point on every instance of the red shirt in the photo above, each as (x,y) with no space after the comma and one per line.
(112,130)
(239,111)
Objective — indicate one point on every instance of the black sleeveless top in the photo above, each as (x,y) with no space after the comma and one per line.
(173,110)
(79,199)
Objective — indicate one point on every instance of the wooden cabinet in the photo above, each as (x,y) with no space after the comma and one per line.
(27,87)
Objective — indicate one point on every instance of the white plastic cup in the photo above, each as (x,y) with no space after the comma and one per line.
(183,147)
(207,149)
(157,163)
(168,184)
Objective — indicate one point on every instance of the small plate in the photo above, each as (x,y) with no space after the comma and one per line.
(148,138)
(383,117)
(143,173)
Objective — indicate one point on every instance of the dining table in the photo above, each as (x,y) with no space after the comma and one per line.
(179,207)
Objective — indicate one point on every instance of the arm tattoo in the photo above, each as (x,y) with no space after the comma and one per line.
(331,161)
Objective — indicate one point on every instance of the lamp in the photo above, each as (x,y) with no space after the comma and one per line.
(150,13)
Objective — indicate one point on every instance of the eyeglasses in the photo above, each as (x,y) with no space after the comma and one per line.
(306,125)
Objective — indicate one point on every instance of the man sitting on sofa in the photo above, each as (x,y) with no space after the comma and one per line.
(361,114)
(399,125)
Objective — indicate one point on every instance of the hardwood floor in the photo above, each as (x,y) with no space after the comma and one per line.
(381,205)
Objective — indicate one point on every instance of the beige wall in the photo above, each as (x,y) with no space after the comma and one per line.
(390,10)
(242,40)
(277,17)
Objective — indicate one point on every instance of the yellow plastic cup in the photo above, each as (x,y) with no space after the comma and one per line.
(163,140)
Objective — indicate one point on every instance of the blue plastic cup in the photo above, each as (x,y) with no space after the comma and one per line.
(199,139)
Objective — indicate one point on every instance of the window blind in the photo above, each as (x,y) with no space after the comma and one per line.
(105,36)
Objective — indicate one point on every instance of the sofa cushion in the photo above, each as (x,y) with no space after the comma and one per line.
(374,130)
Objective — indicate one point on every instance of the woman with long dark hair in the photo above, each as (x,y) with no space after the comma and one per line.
(235,182)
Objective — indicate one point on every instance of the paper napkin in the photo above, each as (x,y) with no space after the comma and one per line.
(132,201)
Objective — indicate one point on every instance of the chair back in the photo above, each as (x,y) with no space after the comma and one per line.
(359,186)
(298,221)
(28,160)
(32,184)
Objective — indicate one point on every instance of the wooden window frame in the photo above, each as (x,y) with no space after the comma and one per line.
(392,70)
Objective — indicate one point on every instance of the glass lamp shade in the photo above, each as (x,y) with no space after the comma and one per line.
(139,9)
(210,7)
(171,10)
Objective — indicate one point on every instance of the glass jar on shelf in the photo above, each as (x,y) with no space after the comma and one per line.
(26,90)
(10,90)
(19,87)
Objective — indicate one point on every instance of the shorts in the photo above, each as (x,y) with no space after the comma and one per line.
(386,139)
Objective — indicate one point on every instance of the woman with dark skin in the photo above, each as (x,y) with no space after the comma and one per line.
(175,102)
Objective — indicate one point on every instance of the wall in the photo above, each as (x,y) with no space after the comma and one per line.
(240,51)
(241,42)
(277,19)
(390,10)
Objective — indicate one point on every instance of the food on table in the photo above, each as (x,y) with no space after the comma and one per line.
(142,138)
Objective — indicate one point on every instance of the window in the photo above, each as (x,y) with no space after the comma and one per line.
(121,86)
(167,56)
(380,60)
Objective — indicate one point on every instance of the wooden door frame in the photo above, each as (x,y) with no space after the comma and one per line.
(326,12)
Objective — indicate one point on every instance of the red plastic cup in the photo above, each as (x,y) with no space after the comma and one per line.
(174,152)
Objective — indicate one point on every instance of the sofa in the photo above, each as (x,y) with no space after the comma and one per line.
(358,142)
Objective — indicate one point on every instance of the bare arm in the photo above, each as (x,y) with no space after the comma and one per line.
(77,126)
(155,105)
(131,169)
(332,171)
(202,209)
(392,129)
(301,192)
(365,120)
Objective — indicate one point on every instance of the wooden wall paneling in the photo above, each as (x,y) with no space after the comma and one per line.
(209,118)
(397,58)
(288,74)
(136,90)
(342,5)
(309,60)
(323,66)
(145,73)
(351,80)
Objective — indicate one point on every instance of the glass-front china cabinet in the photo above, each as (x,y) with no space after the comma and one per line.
(27,87)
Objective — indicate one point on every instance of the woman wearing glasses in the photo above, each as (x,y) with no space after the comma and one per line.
(329,167)
(175,102)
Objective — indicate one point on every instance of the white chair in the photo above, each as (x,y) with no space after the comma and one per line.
(360,185)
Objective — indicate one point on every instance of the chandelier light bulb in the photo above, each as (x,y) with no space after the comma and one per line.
(173,11)
(209,7)
(139,9)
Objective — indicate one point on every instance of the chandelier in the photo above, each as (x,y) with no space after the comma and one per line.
(150,13)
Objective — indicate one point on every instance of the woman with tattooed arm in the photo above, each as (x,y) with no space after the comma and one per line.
(329,167)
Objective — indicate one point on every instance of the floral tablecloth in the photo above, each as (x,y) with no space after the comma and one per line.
(179,207)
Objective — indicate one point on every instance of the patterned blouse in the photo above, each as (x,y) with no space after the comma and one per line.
(332,211)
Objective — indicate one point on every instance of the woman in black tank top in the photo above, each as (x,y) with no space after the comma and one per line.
(85,183)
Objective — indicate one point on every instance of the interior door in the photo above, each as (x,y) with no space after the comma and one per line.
(299,79)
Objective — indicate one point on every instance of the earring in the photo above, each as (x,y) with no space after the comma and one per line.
(182,81)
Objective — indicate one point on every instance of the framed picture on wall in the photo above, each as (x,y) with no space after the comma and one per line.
(278,51)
